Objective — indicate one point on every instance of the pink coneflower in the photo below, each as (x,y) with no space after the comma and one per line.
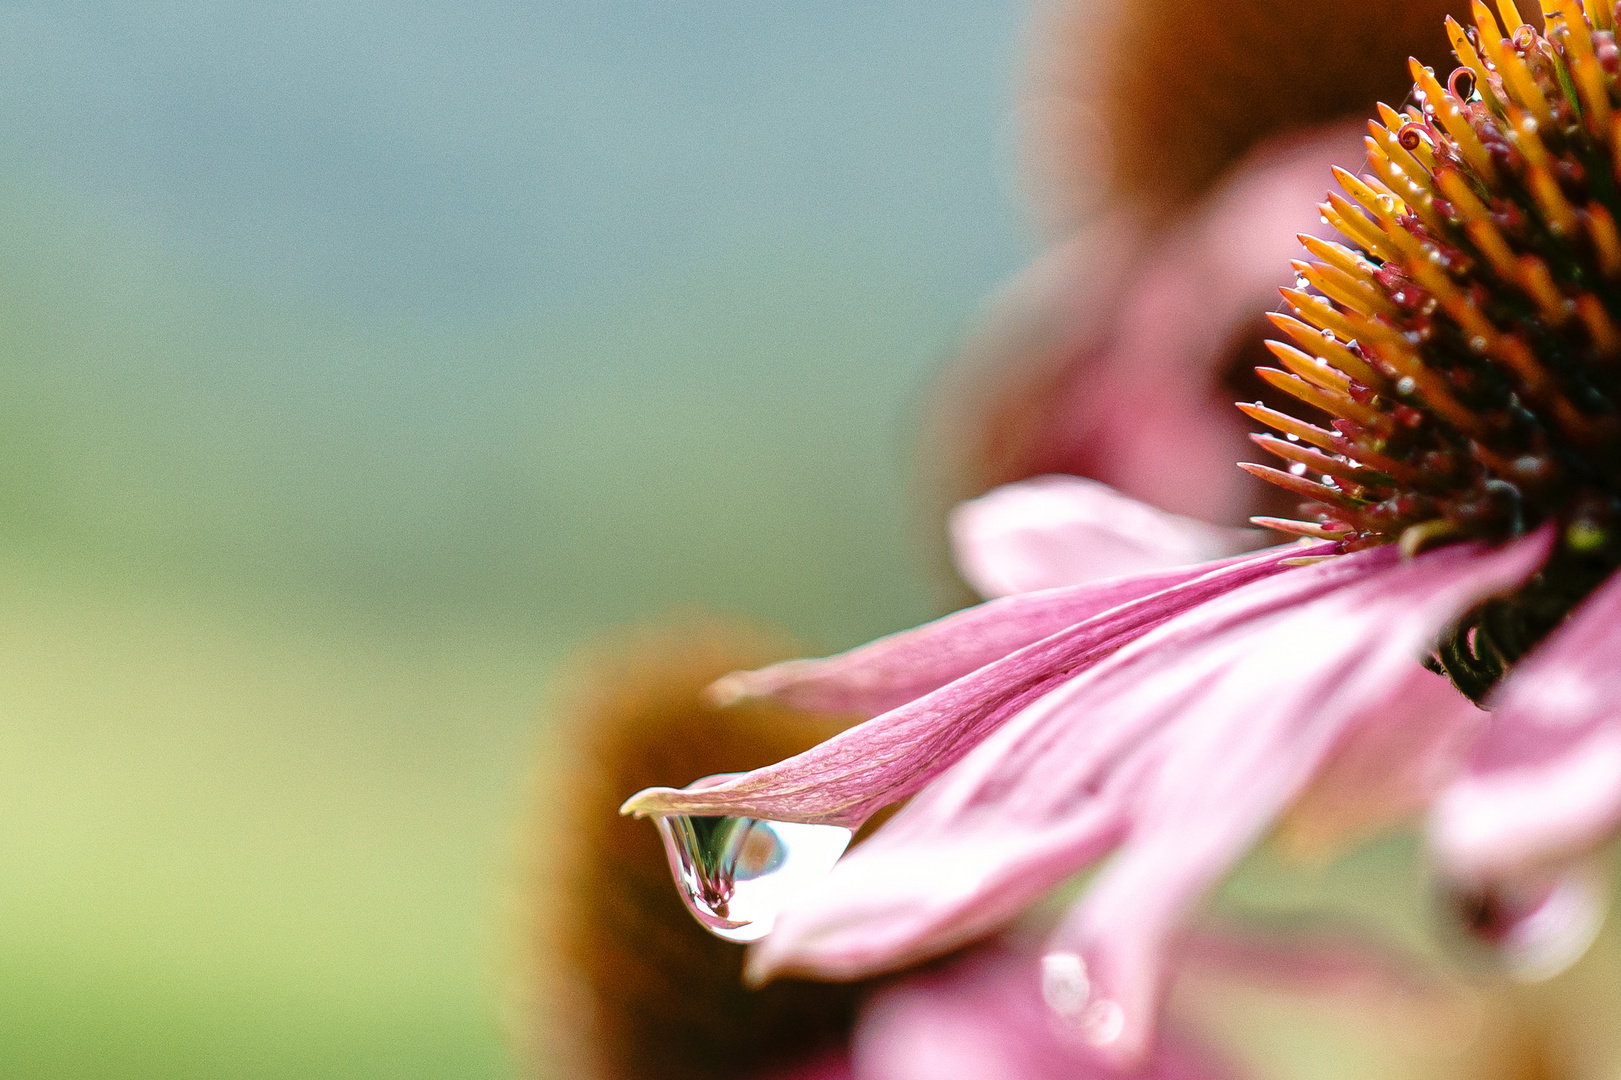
(1461,507)
(623,985)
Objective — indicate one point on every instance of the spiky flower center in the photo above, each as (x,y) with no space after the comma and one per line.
(1467,349)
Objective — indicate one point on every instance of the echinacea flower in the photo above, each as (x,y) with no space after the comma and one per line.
(636,990)
(1461,504)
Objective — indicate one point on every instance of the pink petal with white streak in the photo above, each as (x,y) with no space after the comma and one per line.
(1544,783)
(851,776)
(1035,801)
(1252,745)
(1184,744)
(1067,530)
(887,673)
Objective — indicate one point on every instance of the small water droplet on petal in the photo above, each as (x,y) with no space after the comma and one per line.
(1064,984)
(1102,1022)
(1298,468)
(1534,929)
(737,874)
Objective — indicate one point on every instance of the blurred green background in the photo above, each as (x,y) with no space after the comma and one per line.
(355,361)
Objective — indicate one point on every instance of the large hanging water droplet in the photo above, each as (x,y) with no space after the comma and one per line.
(1533,929)
(737,873)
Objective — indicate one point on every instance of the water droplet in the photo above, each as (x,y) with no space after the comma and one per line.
(1329,334)
(1298,468)
(1533,929)
(1291,436)
(737,873)
(1406,385)
(1064,985)
(1301,282)
(1102,1022)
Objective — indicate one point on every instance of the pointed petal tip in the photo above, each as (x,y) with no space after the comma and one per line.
(647,801)
(757,969)
(730,689)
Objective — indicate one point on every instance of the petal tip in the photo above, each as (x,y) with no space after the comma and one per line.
(729,689)
(758,967)
(645,802)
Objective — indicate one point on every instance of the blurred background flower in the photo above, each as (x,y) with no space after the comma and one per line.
(357,359)
(361,359)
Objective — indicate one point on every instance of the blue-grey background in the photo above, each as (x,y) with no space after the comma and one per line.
(355,361)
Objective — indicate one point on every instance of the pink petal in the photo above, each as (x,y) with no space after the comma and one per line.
(1544,783)
(894,670)
(1067,530)
(1388,770)
(848,778)
(1035,801)
(1254,744)
(983,1018)
(1184,744)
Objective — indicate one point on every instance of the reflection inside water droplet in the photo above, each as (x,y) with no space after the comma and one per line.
(736,873)
(1065,986)
(1102,1022)
(1534,929)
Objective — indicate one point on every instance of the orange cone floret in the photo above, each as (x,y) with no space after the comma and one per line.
(1456,366)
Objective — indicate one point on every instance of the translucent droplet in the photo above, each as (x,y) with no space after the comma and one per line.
(1298,468)
(737,873)
(1406,385)
(1533,929)
(1102,1022)
(1065,986)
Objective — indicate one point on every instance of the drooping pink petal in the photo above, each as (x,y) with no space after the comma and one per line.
(848,778)
(1252,746)
(1387,770)
(1037,799)
(888,673)
(1544,782)
(1184,744)
(1067,530)
(983,1018)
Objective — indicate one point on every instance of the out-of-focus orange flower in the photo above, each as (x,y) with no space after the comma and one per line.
(623,984)
(1173,151)
(1150,103)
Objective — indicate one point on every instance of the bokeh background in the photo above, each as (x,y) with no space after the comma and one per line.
(358,359)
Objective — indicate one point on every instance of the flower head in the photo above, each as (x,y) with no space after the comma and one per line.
(1453,439)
